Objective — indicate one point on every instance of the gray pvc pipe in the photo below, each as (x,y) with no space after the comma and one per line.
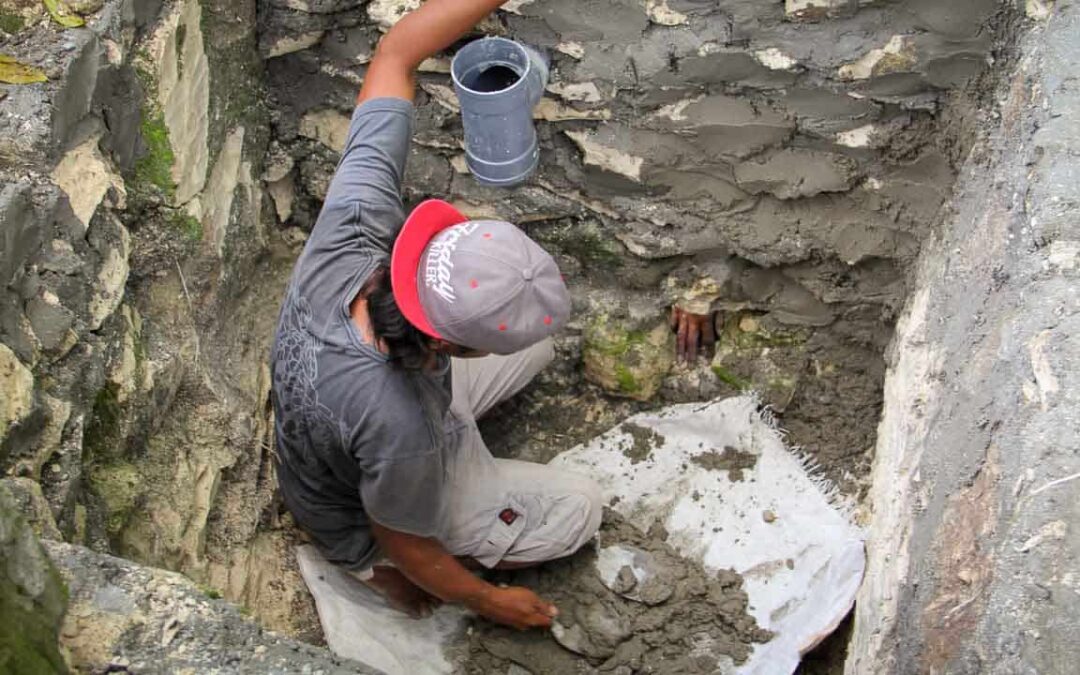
(500,139)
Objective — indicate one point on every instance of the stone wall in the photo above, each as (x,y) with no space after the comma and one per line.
(124,617)
(973,550)
(32,597)
(141,281)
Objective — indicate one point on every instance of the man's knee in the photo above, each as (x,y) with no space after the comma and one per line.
(594,495)
(565,519)
(594,511)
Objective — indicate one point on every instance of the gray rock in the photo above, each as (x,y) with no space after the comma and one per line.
(30,502)
(976,458)
(31,595)
(160,622)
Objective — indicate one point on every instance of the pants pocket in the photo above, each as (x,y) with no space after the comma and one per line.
(507,525)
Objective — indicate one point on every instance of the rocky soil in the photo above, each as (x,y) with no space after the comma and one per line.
(778,163)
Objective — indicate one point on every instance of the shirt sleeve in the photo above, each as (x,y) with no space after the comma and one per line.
(406,494)
(368,178)
(362,212)
(402,483)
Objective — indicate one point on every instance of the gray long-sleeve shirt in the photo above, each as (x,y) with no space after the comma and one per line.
(356,437)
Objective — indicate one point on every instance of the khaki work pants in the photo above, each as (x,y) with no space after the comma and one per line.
(506,510)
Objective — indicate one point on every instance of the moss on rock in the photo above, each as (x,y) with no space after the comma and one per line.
(584,241)
(152,172)
(102,434)
(750,355)
(119,485)
(11,23)
(627,361)
(155,167)
(188,225)
(32,598)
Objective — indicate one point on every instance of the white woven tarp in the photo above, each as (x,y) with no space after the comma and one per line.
(777,524)
(358,624)
(802,562)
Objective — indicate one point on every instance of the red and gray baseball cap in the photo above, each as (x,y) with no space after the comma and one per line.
(481,284)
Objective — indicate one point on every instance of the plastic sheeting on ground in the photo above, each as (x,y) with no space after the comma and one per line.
(358,623)
(730,495)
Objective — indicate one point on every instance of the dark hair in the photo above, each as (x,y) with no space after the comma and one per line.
(408,346)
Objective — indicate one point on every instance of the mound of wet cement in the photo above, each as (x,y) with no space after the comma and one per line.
(663,614)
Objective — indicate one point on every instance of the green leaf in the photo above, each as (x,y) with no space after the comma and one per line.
(62,14)
(16,72)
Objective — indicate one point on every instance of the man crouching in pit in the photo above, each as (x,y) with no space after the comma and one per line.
(395,335)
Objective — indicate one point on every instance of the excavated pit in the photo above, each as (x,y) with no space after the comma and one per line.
(789,200)
(777,164)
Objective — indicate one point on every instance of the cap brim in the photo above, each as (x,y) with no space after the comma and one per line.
(427,220)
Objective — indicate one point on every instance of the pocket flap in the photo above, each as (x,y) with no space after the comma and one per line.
(507,526)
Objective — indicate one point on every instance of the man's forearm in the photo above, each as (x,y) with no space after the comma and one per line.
(427,564)
(434,27)
(420,34)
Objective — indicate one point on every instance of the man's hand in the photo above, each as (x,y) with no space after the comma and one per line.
(515,606)
(696,334)
(427,564)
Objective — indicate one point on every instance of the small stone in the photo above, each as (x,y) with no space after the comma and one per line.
(625,581)
(768,516)
(748,324)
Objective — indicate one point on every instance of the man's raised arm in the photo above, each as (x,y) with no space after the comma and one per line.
(419,35)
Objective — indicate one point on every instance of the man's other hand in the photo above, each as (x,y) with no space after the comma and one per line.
(515,606)
(695,334)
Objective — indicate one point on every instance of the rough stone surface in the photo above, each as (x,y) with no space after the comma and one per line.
(85,176)
(627,362)
(183,92)
(130,305)
(32,597)
(29,501)
(17,383)
(141,619)
(972,556)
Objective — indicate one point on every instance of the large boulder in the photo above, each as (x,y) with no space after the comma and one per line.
(125,617)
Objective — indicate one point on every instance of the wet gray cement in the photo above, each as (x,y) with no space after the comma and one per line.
(729,459)
(680,619)
(643,441)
